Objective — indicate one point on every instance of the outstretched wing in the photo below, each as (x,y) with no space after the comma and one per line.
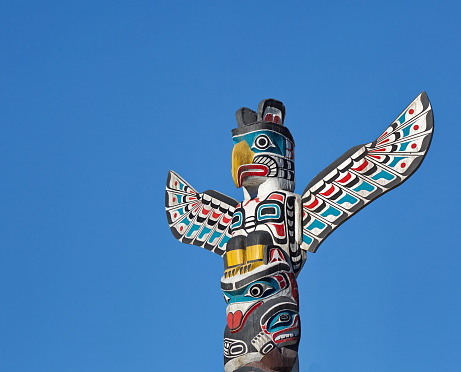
(201,219)
(366,172)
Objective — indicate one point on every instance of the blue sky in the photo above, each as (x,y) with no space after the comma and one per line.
(99,99)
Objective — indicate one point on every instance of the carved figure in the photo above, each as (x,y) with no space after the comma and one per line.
(264,239)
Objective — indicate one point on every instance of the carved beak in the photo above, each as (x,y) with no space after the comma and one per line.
(241,155)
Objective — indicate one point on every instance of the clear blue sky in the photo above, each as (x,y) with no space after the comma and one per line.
(99,99)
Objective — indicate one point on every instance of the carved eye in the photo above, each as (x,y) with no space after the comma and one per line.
(262,142)
(268,211)
(258,290)
(283,318)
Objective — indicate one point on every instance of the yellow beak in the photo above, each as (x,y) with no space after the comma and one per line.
(241,154)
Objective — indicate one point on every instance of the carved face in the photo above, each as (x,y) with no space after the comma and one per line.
(262,310)
(281,322)
(243,301)
(261,152)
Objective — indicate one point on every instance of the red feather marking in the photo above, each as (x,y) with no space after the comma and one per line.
(378,150)
(313,204)
(329,191)
(226,220)
(362,166)
(346,178)
(382,135)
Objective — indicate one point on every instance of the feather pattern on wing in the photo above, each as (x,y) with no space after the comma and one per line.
(201,219)
(366,172)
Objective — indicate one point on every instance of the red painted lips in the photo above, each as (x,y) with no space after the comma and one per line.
(234,319)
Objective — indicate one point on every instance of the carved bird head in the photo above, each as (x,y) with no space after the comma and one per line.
(263,147)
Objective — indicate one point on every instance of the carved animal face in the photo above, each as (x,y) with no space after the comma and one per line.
(263,147)
(259,154)
(262,310)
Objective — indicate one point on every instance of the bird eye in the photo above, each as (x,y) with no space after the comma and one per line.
(258,290)
(262,142)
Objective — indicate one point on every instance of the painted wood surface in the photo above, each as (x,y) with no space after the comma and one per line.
(265,238)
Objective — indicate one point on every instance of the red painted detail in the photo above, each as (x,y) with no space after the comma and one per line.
(175,215)
(416,127)
(304,214)
(181,228)
(276,256)
(414,145)
(245,317)
(215,215)
(276,196)
(346,178)
(294,287)
(193,205)
(192,198)
(256,200)
(281,280)
(205,211)
(192,191)
(279,228)
(277,119)
(382,135)
(251,170)
(411,111)
(378,150)
(283,284)
(386,140)
(268,117)
(361,167)
(287,331)
(174,199)
(329,191)
(375,156)
(313,204)
(234,319)
(176,183)
(226,220)
(403,165)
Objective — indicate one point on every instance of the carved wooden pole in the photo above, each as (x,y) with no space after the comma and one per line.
(264,239)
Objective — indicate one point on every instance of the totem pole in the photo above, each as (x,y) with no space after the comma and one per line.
(264,239)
